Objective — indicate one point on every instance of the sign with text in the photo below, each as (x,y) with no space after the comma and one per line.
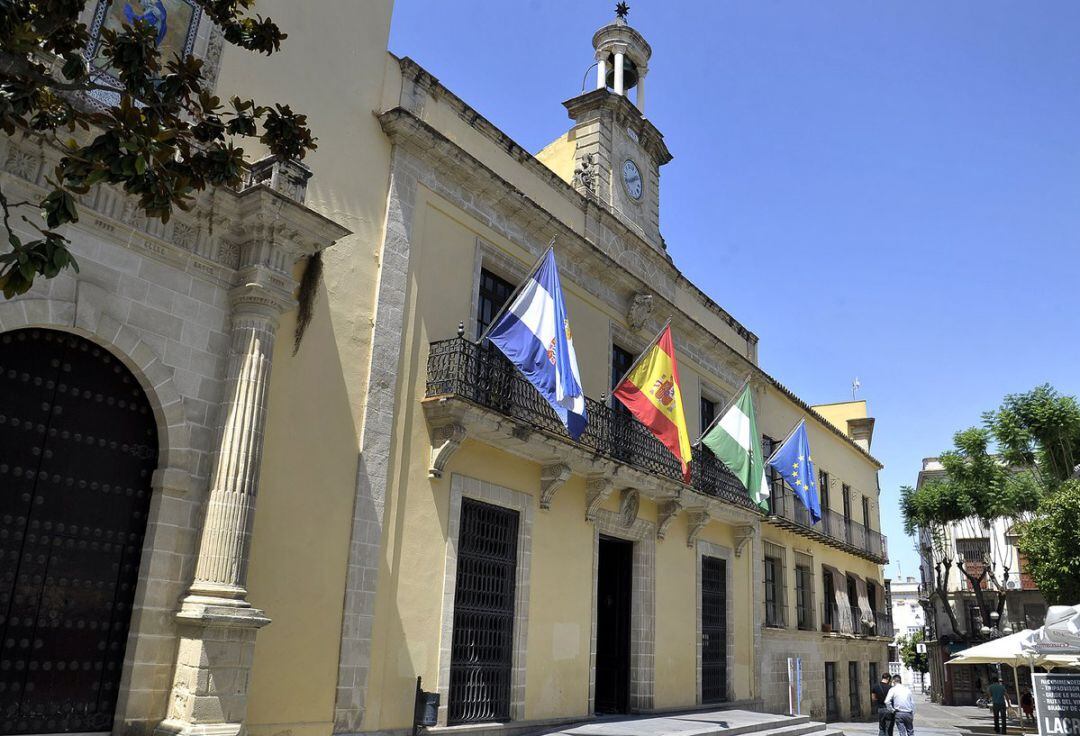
(1057,704)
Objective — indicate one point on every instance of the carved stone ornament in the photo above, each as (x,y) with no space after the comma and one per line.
(628,507)
(585,173)
(641,307)
(552,478)
(743,534)
(445,441)
(698,521)
(597,491)
(668,512)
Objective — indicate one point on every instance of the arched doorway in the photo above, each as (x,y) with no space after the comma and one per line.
(78,446)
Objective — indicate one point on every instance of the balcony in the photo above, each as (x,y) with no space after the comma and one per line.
(850,621)
(473,376)
(833,529)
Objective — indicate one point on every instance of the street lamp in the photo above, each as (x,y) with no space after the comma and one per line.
(985,630)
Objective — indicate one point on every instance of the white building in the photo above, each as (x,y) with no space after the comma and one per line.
(908,619)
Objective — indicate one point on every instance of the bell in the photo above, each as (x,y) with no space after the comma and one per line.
(629,77)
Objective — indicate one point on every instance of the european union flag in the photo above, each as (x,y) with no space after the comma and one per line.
(792,461)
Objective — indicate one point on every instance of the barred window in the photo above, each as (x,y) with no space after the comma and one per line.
(774,585)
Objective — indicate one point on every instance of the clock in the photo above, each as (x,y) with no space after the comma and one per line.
(632,179)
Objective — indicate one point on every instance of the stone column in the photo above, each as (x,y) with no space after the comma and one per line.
(601,73)
(618,72)
(641,91)
(217,624)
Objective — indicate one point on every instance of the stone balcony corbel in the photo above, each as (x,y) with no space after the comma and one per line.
(445,440)
(552,478)
(597,490)
(699,519)
(743,534)
(667,514)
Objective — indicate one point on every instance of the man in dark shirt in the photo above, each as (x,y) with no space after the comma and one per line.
(885,716)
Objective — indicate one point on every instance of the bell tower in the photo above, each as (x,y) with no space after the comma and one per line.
(617,151)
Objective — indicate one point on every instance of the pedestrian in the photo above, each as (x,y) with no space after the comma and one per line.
(902,705)
(885,717)
(999,701)
(1027,704)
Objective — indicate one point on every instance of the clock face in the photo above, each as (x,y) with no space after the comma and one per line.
(631,179)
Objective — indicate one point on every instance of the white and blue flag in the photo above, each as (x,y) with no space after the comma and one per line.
(534,333)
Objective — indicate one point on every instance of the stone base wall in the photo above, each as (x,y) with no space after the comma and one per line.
(816,649)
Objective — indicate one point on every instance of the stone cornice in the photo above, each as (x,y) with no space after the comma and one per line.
(208,240)
(424,82)
(407,130)
(626,115)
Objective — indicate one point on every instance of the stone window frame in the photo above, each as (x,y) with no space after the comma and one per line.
(642,607)
(710,549)
(463,486)
(488,257)
(807,562)
(777,552)
(625,339)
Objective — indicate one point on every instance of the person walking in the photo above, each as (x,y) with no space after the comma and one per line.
(1027,703)
(902,705)
(885,717)
(999,701)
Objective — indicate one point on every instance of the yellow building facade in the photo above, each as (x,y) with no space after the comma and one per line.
(420,513)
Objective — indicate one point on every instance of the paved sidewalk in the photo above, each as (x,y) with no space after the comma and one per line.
(695,723)
(932,719)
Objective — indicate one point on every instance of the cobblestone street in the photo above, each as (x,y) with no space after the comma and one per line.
(932,719)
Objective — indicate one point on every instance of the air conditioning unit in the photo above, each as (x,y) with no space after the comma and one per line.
(1012,584)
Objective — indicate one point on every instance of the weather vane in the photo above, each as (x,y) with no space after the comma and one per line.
(855,386)
(622,10)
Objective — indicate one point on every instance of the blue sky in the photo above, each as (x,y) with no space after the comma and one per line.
(887,190)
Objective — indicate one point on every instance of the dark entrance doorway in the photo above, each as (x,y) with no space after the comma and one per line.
(713,629)
(613,587)
(79,445)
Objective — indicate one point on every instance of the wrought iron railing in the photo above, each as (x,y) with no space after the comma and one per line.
(832,525)
(850,620)
(481,374)
(884,625)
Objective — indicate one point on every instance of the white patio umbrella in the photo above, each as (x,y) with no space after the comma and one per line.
(1015,650)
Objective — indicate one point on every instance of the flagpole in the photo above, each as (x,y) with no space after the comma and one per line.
(642,354)
(731,402)
(789,436)
(514,294)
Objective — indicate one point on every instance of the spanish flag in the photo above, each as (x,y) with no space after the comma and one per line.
(650,390)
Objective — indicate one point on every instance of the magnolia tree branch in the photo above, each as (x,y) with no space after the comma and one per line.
(166,138)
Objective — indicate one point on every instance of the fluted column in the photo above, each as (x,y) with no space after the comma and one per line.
(217,624)
(221,570)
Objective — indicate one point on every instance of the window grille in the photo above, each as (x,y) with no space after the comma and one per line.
(804,591)
(481,658)
(774,585)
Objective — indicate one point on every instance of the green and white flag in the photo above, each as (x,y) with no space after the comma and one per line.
(735,441)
